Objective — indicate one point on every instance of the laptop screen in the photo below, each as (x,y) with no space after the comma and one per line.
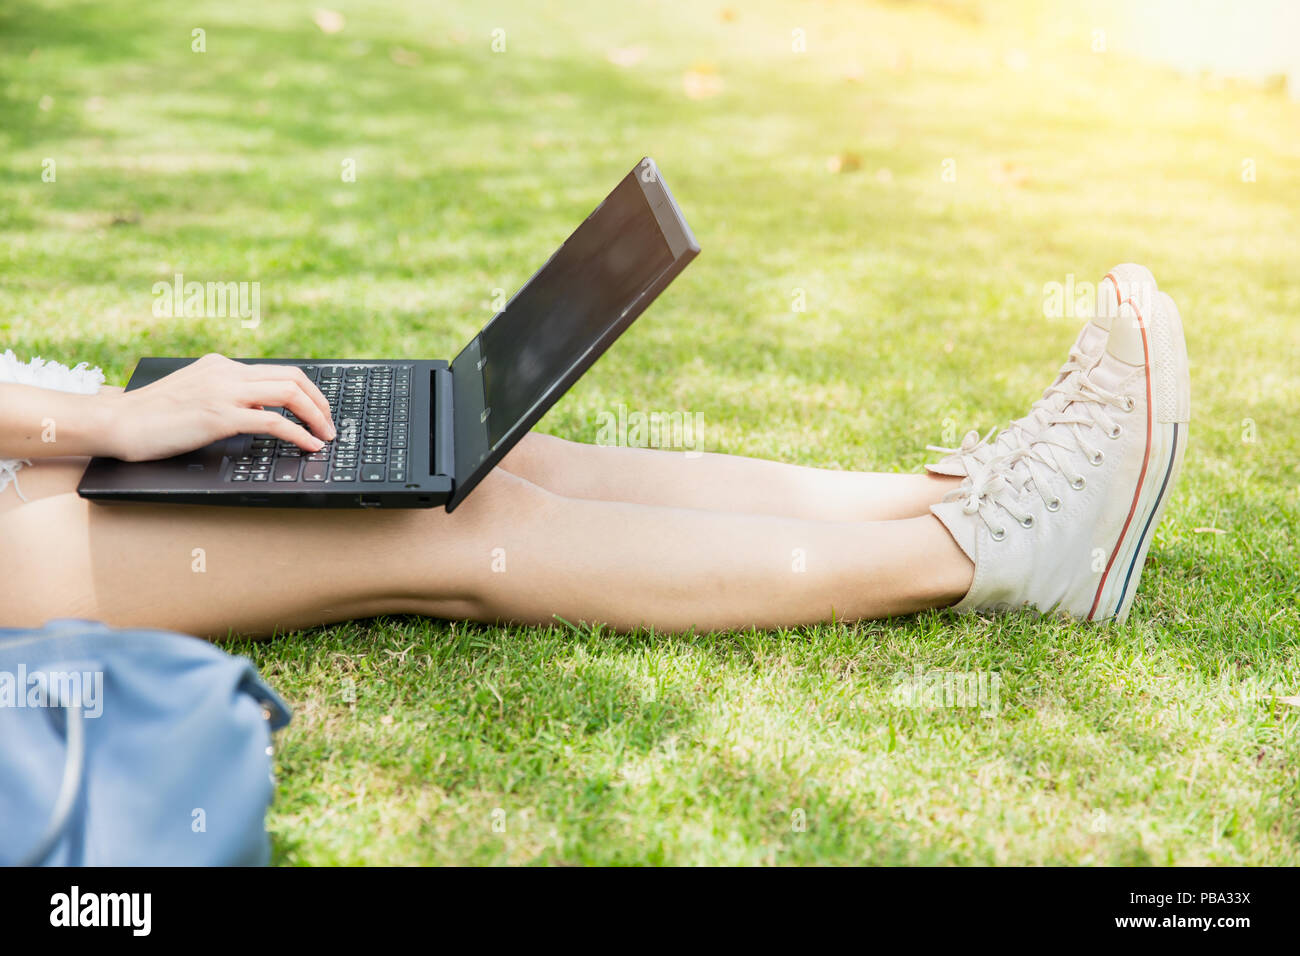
(564,310)
(564,318)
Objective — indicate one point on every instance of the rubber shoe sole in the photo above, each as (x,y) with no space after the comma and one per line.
(1168,384)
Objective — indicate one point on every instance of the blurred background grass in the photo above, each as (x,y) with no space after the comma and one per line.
(817,174)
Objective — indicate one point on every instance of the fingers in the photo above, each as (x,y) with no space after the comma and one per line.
(259,373)
(291,396)
(252,421)
(283,386)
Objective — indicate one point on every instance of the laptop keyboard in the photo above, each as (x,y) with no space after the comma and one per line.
(372,413)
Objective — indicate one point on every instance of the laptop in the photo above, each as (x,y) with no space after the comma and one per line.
(417,433)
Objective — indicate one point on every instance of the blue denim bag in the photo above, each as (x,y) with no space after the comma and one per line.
(132,747)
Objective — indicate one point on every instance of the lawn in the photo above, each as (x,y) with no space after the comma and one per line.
(880,215)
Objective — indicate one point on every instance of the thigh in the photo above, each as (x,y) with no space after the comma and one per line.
(213,571)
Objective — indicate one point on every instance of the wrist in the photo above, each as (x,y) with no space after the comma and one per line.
(103,433)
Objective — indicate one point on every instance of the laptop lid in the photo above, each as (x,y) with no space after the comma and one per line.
(563,319)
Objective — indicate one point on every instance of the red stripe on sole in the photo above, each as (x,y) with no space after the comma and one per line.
(1146,458)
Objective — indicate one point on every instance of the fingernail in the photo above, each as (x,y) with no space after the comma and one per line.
(334,432)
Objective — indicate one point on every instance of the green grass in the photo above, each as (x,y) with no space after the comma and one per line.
(1159,741)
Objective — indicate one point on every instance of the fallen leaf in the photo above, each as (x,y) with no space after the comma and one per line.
(844,163)
(1008,173)
(329,21)
(626,56)
(403,57)
(701,82)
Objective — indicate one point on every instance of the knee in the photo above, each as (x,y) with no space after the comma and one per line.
(504,516)
(535,456)
(502,499)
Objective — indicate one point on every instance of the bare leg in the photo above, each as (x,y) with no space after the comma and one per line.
(721,482)
(513,551)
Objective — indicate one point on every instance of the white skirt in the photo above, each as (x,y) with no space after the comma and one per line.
(83,380)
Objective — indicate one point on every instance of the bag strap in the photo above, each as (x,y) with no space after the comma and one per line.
(73,770)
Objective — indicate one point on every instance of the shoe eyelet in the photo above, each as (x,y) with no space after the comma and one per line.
(1129,404)
(1115,432)
(1054,504)
(998,534)
(1079,483)
(1028,522)
(1097,459)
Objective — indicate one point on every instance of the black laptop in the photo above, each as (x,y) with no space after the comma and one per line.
(415,433)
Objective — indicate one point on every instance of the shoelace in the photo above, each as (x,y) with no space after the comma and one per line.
(970,448)
(976,451)
(1040,448)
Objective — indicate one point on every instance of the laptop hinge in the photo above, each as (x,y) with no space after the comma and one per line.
(443,441)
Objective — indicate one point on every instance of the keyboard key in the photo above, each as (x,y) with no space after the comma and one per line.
(371,409)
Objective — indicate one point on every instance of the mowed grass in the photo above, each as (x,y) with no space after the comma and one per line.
(814,177)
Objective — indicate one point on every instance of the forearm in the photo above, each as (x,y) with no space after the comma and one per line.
(44,423)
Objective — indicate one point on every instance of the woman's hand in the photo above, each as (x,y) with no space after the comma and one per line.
(210,399)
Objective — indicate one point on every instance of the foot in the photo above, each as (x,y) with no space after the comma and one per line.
(1123,281)
(1060,518)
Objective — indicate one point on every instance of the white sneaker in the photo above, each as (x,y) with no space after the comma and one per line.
(1061,520)
(1124,281)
